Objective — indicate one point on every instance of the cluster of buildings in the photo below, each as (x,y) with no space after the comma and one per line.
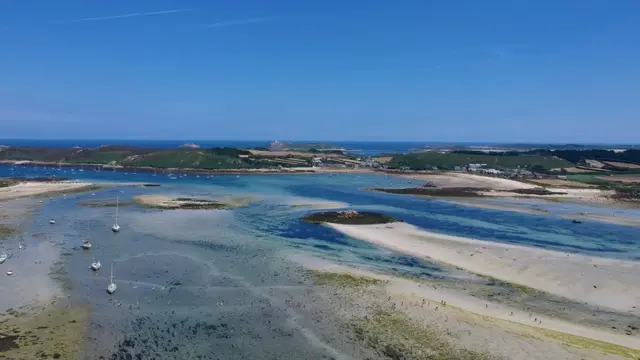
(517,173)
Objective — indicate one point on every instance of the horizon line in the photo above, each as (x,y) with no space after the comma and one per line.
(329,141)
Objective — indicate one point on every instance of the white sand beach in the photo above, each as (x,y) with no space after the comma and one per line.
(474,322)
(24,189)
(453,180)
(597,281)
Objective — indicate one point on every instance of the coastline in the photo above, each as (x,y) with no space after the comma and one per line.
(27,189)
(36,321)
(240,171)
(466,318)
(600,282)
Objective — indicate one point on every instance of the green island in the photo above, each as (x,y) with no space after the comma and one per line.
(348,217)
(616,170)
(186,158)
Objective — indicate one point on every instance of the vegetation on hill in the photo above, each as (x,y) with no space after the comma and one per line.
(214,158)
(575,156)
(448,161)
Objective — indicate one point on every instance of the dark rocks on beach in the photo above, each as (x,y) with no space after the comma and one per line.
(8,342)
(430,191)
(463,192)
(537,191)
(349,217)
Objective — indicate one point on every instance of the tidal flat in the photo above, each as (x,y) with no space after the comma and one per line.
(255,281)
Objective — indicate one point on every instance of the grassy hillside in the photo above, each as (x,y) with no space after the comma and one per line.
(427,160)
(215,158)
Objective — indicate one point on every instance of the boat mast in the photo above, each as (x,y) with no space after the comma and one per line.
(117,205)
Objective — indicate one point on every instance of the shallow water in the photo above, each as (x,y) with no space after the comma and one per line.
(218,284)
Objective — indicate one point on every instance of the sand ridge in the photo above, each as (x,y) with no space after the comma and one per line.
(24,189)
(602,282)
(476,323)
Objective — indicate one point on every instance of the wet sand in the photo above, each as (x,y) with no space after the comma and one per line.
(41,188)
(45,331)
(602,282)
(460,320)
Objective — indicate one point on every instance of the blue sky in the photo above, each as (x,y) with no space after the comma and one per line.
(447,70)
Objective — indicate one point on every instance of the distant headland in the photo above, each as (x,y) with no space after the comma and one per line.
(615,169)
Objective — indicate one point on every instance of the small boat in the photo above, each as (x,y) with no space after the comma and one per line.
(9,273)
(20,247)
(52,221)
(95,264)
(86,245)
(3,257)
(116,227)
(111,288)
(576,221)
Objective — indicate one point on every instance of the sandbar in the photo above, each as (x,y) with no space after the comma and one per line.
(25,189)
(473,322)
(601,282)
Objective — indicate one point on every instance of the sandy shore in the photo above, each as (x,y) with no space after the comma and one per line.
(25,189)
(580,195)
(464,180)
(600,282)
(472,322)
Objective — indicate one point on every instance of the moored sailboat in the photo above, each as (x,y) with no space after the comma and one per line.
(116,227)
(111,288)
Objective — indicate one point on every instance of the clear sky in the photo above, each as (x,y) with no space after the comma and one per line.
(446,70)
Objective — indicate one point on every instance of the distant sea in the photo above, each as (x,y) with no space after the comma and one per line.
(358,147)
(366,148)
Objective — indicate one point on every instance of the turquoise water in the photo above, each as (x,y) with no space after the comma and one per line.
(216,284)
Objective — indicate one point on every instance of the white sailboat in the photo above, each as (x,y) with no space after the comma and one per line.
(116,227)
(95,264)
(52,221)
(3,257)
(111,288)
(86,245)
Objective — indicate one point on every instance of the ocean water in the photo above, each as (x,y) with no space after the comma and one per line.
(222,284)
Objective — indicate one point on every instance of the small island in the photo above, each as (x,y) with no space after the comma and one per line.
(177,203)
(349,217)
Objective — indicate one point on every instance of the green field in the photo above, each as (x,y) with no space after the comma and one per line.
(215,158)
(447,161)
